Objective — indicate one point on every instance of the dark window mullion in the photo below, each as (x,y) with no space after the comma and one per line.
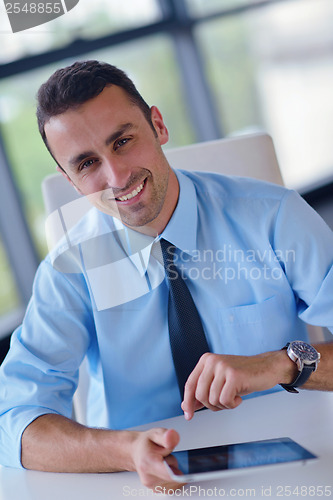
(196,90)
(15,234)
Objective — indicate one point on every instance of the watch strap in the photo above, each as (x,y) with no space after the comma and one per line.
(301,378)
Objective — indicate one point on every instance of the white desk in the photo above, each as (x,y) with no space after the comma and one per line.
(306,417)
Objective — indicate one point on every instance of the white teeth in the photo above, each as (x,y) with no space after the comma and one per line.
(132,194)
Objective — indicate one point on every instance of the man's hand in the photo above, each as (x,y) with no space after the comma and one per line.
(150,449)
(57,444)
(219,381)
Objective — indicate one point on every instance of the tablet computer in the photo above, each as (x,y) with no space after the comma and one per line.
(217,461)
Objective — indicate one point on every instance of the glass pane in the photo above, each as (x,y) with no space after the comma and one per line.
(26,152)
(272,69)
(88,19)
(206,7)
(9,299)
(156,77)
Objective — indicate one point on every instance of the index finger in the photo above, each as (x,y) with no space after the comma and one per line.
(189,404)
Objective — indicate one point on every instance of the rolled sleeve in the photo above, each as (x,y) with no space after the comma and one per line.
(306,244)
(40,372)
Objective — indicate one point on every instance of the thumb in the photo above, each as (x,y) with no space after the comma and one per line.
(165,438)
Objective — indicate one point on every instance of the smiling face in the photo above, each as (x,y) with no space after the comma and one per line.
(110,153)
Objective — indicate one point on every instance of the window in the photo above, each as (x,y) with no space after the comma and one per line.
(9,299)
(272,69)
(88,20)
(28,157)
(207,7)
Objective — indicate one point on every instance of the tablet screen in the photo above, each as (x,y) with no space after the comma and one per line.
(235,456)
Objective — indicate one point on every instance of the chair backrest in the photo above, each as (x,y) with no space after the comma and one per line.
(249,155)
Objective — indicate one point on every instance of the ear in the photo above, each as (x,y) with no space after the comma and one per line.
(159,125)
(68,178)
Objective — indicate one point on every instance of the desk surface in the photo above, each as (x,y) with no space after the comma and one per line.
(307,418)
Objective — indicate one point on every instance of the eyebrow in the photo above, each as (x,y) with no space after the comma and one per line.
(126,127)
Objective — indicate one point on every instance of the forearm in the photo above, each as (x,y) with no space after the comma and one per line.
(56,444)
(322,378)
(220,381)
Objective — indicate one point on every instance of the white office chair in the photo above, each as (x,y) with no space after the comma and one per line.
(249,155)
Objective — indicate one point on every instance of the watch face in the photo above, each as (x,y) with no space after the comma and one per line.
(304,351)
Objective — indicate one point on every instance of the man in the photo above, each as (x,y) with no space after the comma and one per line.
(102,293)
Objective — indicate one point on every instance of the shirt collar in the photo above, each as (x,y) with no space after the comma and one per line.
(136,245)
(181,229)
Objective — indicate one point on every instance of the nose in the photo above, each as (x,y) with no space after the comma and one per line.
(116,173)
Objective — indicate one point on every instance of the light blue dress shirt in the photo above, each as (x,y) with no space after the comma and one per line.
(256,258)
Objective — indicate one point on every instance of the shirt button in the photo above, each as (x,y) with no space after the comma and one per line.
(231,318)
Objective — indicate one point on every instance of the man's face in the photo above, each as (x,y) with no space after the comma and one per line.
(109,152)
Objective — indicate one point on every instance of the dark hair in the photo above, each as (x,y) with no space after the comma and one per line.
(70,87)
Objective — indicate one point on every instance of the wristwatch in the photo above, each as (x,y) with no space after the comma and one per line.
(306,357)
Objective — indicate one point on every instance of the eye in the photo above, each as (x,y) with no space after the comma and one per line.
(121,142)
(86,164)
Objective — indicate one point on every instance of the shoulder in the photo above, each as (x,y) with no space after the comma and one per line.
(232,186)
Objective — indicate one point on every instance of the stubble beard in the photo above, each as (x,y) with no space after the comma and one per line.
(142,213)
